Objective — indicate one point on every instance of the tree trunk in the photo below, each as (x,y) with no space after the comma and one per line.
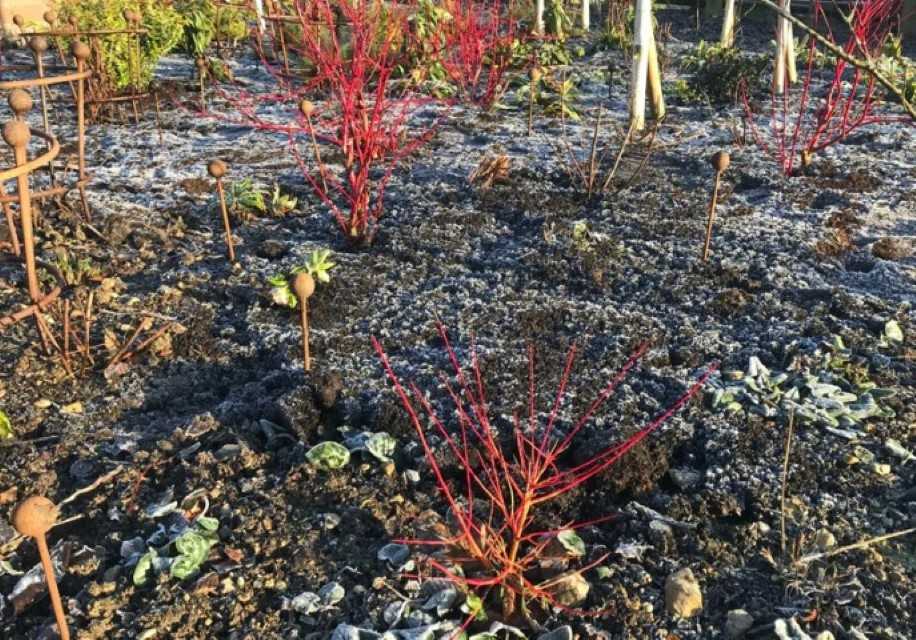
(539,17)
(644,58)
(728,25)
(586,15)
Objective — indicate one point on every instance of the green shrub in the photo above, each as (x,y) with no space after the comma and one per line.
(165,26)
(203,23)
(719,72)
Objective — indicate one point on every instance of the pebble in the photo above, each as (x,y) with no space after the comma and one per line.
(683,597)
(824,539)
(882,469)
(737,623)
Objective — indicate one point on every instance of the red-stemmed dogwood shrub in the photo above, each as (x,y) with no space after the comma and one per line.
(351,49)
(477,48)
(505,480)
(801,123)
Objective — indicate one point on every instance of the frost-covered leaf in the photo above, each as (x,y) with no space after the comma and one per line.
(381,445)
(560,633)
(328,455)
(143,568)
(331,594)
(395,554)
(394,612)
(571,542)
(442,600)
(307,602)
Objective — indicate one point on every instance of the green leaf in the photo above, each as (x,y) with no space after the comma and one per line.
(328,455)
(6,427)
(183,567)
(571,542)
(892,332)
(193,546)
(143,568)
(381,445)
(473,604)
(207,524)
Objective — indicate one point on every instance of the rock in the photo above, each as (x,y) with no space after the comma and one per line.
(272,249)
(824,539)
(891,249)
(682,594)
(661,534)
(737,623)
(570,589)
(685,479)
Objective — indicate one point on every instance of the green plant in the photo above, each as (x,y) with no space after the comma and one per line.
(318,266)
(191,547)
(328,455)
(243,196)
(556,20)
(281,203)
(719,73)
(165,29)
(424,60)
(75,271)
(205,22)
(6,427)
(560,97)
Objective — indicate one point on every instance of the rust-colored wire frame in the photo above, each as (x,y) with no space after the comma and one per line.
(79,76)
(18,137)
(98,93)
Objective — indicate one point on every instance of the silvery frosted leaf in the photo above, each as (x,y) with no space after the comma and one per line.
(331,594)
(779,379)
(560,633)
(132,549)
(426,632)
(631,550)
(845,433)
(328,455)
(571,542)
(357,442)
(830,405)
(892,332)
(845,397)
(381,445)
(753,385)
(395,554)
(165,506)
(306,602)
(514,632)
(899,450)
(486,635)
(882,394)
(733,407)
(792,394)
(442,600)
(349,632)
(822,390)
(394,612)
(756,368)
(6,569)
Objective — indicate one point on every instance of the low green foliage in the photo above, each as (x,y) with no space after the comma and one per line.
(318,266)
(6,427)
(898,68)
(244,196)
(281,203)
(328,455)
(719,73)
(204,23)
(191,548)
(164,23)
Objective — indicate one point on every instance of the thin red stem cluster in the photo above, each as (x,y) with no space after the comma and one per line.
(477,48)
(498,546)
(804,125)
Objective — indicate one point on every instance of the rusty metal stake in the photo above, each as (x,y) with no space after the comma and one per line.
(217,169)
(81,52)
(719,161)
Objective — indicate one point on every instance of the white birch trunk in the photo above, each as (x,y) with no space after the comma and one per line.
(789,40)
(586,15)
(779,69)
(654,78)
(539,17)
(259,11)
(728,25)
(642,42)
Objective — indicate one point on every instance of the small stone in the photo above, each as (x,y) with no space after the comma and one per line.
(891,249)
(570,590)
(72,409)
(737,623)
(685,479)
(661,534)
(43,403)
(272,249)
(683,597)
(824,539)
(882,469)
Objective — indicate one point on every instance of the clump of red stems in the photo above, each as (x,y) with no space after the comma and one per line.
(800,125)
(497,548)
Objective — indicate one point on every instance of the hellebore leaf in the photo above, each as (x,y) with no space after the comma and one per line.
(571,542)
(328,455)
(143,568)
(381,445)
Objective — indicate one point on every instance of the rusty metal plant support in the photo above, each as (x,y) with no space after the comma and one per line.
(217,169)
(19,88)
(304,287)
(719,162)
(16,134)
